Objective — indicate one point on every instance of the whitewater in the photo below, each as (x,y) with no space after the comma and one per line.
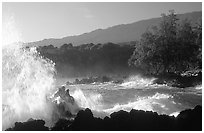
(135,93)
(29,82)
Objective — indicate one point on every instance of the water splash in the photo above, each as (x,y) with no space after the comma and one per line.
(198,87)
(156,103)
(137,82)
(92,101)
(10,32)
(27,82)
(27,79)
(175,114)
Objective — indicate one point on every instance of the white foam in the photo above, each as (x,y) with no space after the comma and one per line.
(92,101)
(28,80)
(175,114)
(142,103)
(137,82)
(198,87)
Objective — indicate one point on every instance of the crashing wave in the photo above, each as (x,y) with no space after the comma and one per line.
(92,101)
(198,87)
(137,82)
(28,79)
(148,103)
(28,86)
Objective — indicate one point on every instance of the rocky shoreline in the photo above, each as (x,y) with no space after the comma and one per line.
(188,79)
(96,79)
(135,120)
(169,79)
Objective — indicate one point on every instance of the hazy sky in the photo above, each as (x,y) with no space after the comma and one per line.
(37,21)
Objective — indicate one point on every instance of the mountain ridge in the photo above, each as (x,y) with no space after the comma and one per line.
(115,34)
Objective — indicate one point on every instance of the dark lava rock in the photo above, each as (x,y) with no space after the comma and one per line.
(62,125)
(89,80)
(181,81)
(138,120)
(135,120)
(34,125)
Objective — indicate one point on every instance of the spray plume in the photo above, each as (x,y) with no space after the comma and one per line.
(28,82)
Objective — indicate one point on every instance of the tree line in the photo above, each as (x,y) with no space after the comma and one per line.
(171,47)
(90,58)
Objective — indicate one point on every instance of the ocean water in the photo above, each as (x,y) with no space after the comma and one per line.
(29,82)
(135,93)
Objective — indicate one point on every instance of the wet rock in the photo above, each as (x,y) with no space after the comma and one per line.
(89,80)
(181,81)
(190,120)
(135,120)
(31,125)
(62,125)
(64,95)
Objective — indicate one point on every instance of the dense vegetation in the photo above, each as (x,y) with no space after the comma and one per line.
(90,59)
(171,47)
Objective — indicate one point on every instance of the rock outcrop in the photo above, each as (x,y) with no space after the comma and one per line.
(135,120)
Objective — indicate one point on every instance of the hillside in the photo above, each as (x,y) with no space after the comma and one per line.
(115,34)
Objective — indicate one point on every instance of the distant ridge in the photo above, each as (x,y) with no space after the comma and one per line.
(115,34)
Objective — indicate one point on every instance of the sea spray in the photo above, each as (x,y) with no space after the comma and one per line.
(92,101)
(156,103)
(64,103)
(137,82)
(198,87)
(27,81)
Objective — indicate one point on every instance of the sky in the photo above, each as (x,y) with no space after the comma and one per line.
(38,21)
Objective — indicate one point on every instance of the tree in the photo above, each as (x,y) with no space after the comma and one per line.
(198,41)
(185,56)
(171,47)
(146,54)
